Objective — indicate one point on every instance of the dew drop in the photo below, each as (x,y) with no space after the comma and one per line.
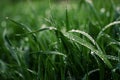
(102,10)
(3,23)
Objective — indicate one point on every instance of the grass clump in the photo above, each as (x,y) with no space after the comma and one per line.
(77,40)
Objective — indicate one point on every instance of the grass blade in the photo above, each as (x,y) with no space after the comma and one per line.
(42,29)
(51,53)
(24,27)
(89,46)
(85,34)
(89,73)
(10,47)
(106,27)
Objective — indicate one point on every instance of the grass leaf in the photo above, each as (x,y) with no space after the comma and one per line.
(106,27)
(89,46)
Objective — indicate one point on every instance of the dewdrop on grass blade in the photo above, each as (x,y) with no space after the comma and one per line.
(43,26)
(108,14)
(89,1)
(6,17)
(26,39)
(92,52)
(102,10)
(118,9)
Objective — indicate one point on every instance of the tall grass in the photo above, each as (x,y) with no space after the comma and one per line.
(80,41)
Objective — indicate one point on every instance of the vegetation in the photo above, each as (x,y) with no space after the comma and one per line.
(65,40)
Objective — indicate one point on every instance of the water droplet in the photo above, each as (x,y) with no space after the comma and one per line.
(107,14)
(89,1)
(102,10)
(118,8)
(26,48)
(3,23)
(7,17)
(73,39)
(53,68)
(92,52)
(26,39)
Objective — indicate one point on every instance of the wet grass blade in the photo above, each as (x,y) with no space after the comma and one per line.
(114,58)
(89,46)
(106,27)
(42,29)
(10,47)
(89,73)
(88,36)
(85,34)
(50,53)
(24,27)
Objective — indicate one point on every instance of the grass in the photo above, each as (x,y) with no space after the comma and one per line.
(47,40)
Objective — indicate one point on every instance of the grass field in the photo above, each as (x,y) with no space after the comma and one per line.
(47,40)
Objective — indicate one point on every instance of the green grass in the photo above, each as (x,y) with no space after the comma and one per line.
(74,40)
